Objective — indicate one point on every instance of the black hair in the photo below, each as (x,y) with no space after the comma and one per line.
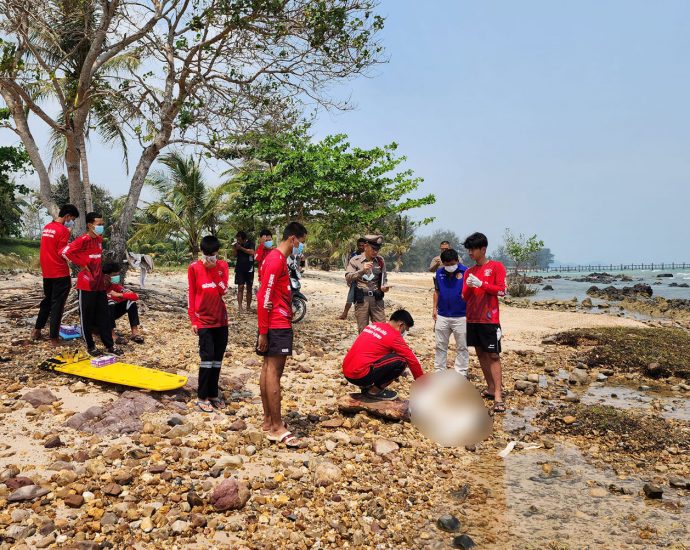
(68,210)
(111,267)
(361,240)
(92,217)
(294,229)
(476,240)
(445,242)
(241,235)
(210,245)
(403,316)
(449,255)
(266,233)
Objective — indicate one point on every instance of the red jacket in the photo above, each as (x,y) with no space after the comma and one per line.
(54,239)
(375,341)
(85,252)
(482,302)
(274,288)
(206,290)
(127,295)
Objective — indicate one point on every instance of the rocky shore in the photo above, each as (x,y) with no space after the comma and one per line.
(86,465)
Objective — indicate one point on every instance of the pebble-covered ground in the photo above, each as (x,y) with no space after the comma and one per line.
(88,465)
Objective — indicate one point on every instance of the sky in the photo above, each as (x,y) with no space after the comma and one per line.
(565,119)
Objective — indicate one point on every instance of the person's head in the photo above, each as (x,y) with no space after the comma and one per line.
(94,223)
(361,245)
(450,260)
(295,234)
(68,213)
(372,246)
(266,237)
(445,245)
(210,245)
(401,320)
(112,271)
(476,245)
(241,237)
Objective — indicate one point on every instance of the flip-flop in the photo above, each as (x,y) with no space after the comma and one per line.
(138,339)
(217,402)
(486,395)
(205,406)
(286,437)
(499,407)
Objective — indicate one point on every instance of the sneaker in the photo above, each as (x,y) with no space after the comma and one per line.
(115,351)
(94,352)
(383,395)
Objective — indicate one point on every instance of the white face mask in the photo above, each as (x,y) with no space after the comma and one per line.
(451,268)
(369,277)
(211,259)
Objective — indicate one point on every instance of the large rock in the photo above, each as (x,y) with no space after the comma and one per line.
(385,446)
(120,416)
(390,410)
(326,473)
(15,483)
(579,376)
(40,396)
(231,494)
(612,293)
(28,492)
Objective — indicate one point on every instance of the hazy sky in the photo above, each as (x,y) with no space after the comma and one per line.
(565,119)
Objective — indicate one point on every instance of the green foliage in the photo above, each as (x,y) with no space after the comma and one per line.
(341,190)
(102,199)
(19,253)
(521,249)
(12,160)
(186,207)
(399,231)
(424,248)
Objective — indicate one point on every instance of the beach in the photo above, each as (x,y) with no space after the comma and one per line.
(141,469)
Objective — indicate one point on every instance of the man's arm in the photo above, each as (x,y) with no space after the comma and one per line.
(434,313)
(435,264)
(401,348)
(384,276)
(191,296)
(352,273)
(222,279)
(498,286)
(264,305)
(71,252)
(249,251)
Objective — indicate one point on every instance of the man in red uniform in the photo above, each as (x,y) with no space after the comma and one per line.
(275,338)
(56,277)
(483,284)
(265,246)
(85,252)
(121,301)
(379,356)
(208,283)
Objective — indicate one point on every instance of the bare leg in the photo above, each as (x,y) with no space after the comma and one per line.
(264,400)
(249,297)
(485,364)
(273,370)
(343,315)
(240,296)
(496,375)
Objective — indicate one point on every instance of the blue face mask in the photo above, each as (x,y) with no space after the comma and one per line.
(99,229)
(297,250)
(115,279)
(69,224)
(268,244)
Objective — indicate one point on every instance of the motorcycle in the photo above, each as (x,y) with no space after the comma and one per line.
(299,300)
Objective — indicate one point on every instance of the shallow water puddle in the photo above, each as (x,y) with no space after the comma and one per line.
(557,496)
(626,397)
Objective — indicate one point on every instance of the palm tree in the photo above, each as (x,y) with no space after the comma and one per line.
(400,239)
(186,205)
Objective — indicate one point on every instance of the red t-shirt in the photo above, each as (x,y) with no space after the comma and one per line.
(127,295)
(274,288)
(206,290)
(482,303)
(375,341)
(86,251)
(54,239)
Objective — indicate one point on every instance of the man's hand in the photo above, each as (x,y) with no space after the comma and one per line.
(434,315)
(262,344)
(195,330)
(208,264)
(474,282)
(268,306)
(385,288)
(368,267)
(117,295)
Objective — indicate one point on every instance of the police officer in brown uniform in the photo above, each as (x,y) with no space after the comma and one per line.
(436,261)
(368,272)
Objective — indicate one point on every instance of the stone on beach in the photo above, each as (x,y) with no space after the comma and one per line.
(231,494)
(390,410)
(40,396)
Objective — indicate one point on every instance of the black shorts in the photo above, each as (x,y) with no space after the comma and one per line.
(381,372)
(279,342)
(244,277)
(484,336)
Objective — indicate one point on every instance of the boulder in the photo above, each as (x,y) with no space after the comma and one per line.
(231,494)
(15,483)
(28,492)
(326,473)
(390,410)
(120,416)
(40,396)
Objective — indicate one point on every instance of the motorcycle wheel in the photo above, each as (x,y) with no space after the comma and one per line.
(299,309)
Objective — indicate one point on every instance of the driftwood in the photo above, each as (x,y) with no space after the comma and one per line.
(390,410)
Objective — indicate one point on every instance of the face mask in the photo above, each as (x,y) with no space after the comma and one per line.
(211,259)
(69,224)
(368,277)
(115,279)
(99,229)
(297,250)
(451,268)
(403,333)
(268,244)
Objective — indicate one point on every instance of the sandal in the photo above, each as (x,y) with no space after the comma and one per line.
(138,339)
(217,402)
(486,395)
(120,340)
(499,407)
(287,437)
(205,406)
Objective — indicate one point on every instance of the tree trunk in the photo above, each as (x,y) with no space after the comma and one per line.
(86,179)
(76,189)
